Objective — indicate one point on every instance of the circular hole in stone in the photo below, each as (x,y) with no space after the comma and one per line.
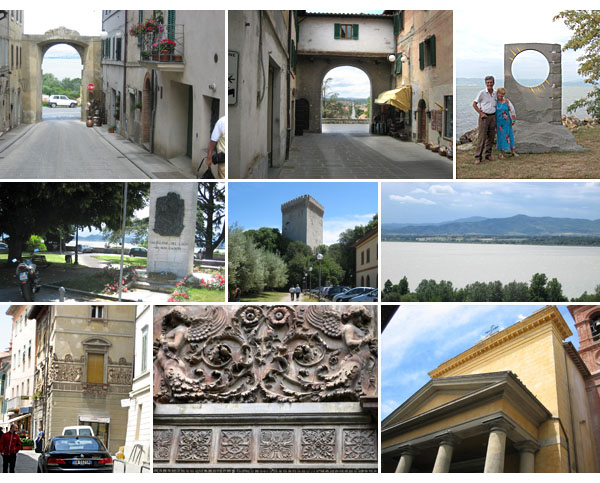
(530,68)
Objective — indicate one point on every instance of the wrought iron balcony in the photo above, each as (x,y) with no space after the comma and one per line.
(163,50)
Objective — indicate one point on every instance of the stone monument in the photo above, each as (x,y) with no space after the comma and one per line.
(265,388)
(172,227)
(302,220)
(539,126)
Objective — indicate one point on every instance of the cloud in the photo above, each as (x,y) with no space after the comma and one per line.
(419,190)
(332,228)
(438,189)
(486,193)
(411,200)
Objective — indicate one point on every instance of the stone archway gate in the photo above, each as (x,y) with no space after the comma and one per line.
(34,48)
(326,41)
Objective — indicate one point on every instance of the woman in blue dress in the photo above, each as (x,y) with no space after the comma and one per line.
(505,118)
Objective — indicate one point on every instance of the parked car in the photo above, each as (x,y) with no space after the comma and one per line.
(69,454)
(61,101)
(346,296)
(371,296)
(138,252)
(85,249)
(78,431)
(3,247)
(336,289)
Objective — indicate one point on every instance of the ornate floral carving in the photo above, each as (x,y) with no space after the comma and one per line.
(194,445)
(359,445)
(162,444)
(261,354)
(235,445)
(119,375)
(61,371)
(318,445)
(276,445)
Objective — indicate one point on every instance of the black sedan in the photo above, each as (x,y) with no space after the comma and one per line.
(72,454)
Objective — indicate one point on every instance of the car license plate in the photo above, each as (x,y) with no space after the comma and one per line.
(23,276)
(82,462)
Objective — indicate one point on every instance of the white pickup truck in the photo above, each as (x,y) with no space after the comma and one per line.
(60,100)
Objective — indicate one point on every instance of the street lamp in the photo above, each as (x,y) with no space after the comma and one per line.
(304,281)
(309,280)
(319,257)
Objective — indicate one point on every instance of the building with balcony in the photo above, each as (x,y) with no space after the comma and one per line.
(19,390)
(517,401)
(84,368)
(163,77)
(11,33)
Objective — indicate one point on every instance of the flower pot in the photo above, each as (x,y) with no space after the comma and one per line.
(165,57)
(111,130)
(177,58)
(155,55)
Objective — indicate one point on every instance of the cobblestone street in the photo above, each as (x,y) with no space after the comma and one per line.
(360,156)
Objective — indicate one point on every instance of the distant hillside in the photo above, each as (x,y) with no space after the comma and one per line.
(475,81)
(392,227)
(518,225)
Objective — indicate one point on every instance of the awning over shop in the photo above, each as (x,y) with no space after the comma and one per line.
(94,419)
(400,98)
(10,421)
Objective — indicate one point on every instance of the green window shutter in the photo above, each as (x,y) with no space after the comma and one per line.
(432,50)
(294,56)
(140,16)
(402,20)
(118,49)
(355,31)
(421,55)
(296,25)
(336,31)
(398,64)
(396,23)
(171,24)
(101,47)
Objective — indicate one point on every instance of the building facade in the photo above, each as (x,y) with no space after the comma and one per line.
(367,256)
(424,62)
(167,102)
(4,380)
(84,369)
(11,33)
(20,389)
(514,402)
(139,426)
(262,81)
(302,220)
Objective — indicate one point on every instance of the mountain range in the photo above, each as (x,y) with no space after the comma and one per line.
(518,225)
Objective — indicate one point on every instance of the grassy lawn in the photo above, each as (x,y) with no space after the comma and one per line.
(116,259)
(90,283)
(267,297)
(532,166)
(58,270)
(205,295)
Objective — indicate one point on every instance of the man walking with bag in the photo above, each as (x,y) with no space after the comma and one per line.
(10,445)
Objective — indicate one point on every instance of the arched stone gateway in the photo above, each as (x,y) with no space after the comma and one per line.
(34,48)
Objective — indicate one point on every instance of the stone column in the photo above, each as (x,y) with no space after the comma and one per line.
(444,455)
(406,459)
(496,448)
(527,450)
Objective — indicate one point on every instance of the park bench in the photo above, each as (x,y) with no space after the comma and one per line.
(40,261)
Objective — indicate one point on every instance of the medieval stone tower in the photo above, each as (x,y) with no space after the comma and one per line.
(302,220)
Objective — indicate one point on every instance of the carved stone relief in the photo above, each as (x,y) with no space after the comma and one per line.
(234,445)
(194,445)
(119,375)
(162,444)
(169,215)
(359,445)
(318,445)
(276,445)
(265,354)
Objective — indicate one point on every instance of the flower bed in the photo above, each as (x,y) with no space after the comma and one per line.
(182,289)
(111,279)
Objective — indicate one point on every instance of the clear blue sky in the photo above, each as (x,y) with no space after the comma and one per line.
(420,337)
(437,202)
(254,205)
(5,328)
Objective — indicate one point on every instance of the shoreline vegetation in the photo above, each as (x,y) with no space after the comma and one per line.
(539,289)
(498,240)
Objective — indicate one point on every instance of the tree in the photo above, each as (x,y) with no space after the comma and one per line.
(136,228)
(516,292)
(585,25)
(554,290)
(246,270)
(29,208)
(537,288)
(210,216)
(270,239)
(403,286)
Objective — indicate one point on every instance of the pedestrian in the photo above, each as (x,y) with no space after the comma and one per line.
(292,292)
(216,152)
(39,441)
(298,292)
(237,295)
(10,445)
(485,105)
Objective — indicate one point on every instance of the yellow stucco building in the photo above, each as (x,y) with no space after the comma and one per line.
(514,402)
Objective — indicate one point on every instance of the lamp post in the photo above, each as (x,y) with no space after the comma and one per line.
(304,281)
(319,257)
(309,280)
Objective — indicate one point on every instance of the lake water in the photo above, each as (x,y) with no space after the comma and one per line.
(62,68)
(466,117)
(463,263)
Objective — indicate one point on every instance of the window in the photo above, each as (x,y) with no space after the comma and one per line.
(368,255)
(449,111)
(138,423)
(368,281)
(95,368)
(345,31)
(362,258)
(144,348)
(595,327)
(171,24)
(362,280)
(118,50)
(398,22)
(97,311)
(427,52)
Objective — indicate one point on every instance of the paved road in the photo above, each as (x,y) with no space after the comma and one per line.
(62,147)
(340,155)
(26,462)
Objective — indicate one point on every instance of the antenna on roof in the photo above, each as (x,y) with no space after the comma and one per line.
(491,330)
